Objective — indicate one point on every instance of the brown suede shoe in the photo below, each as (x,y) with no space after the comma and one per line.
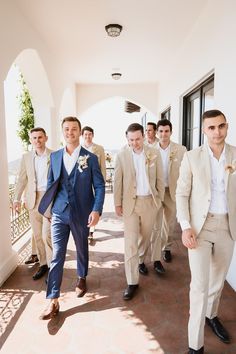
(81,287)
(50,312)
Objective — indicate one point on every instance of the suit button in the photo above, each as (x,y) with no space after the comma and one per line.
(209,200)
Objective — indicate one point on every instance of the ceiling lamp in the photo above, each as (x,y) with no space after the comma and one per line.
(116,76)
(113,30)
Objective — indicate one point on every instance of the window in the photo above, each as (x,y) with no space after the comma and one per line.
(195,103)
(166,114)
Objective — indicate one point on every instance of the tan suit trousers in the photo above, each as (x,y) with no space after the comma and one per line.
(137,231)
(209,264)
(41,228)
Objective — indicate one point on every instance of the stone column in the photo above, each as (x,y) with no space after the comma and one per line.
(8,257)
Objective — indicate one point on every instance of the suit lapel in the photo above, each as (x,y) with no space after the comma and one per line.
(57,164)
(146,158)
(130,162)
(32,165)
(206,164)
(228,158)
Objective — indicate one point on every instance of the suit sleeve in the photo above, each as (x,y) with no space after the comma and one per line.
(98,185)
(183,190)
(22,180)
(118,183)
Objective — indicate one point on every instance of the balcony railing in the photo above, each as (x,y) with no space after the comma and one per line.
(19,221)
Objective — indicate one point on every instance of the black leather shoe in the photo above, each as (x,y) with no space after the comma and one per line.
(142,269)
(41,271)
(130,291)
(167,256)
(199,351)
(159,267)
(218,329)
(32,259)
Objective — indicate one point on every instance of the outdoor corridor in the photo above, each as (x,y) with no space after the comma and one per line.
(101,322)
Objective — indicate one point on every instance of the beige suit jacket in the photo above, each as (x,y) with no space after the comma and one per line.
(125,178)
(175,157)
(193,194)
(98,150)
(26,181)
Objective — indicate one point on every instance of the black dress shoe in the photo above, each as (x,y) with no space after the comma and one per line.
(32,259)
(41,271)
(218,329)
(142,269)
(159,267)
(167,256)
(130,291)
(199,351)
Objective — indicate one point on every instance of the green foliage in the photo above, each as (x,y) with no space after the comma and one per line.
(26,118)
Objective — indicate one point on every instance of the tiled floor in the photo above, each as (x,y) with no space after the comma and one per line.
(102,323)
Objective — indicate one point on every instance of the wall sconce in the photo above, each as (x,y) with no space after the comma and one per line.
(116,76)
(113,30)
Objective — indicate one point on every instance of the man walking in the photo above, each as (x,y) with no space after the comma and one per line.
(32,182)
(138,192)
(206,209)
(75,195)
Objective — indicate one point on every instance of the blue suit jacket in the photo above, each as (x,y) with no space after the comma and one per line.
(88,186)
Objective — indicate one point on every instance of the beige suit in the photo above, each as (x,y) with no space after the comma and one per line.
(27,184)
(210,260)
(167,216)
(139,212)
(98,150)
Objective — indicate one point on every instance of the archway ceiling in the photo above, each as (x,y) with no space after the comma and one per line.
(153,33)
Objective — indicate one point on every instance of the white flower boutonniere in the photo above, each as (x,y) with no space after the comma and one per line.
(172,156)
(150,158)
(82,162)
(231,168)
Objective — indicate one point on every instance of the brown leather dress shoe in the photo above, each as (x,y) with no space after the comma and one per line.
(40,272)
(32,259)
(50,312)
(81,287)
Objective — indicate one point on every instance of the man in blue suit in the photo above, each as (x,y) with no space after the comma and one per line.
(74,197)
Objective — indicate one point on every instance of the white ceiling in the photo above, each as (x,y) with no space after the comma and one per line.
(74,30)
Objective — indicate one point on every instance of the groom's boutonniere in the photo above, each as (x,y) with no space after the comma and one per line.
(231,168)
(82,162)
(172,156)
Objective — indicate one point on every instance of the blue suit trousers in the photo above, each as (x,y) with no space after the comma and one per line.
(61,227)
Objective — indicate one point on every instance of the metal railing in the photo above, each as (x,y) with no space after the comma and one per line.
(19,221)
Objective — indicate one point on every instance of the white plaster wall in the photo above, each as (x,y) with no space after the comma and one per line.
(143,94)
(209,48)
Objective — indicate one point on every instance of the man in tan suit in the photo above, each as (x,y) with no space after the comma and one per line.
(206,209)
(151,140)
(32,182)
(98,150)
(171,155)
(138,192)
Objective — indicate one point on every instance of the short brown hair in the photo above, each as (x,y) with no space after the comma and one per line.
(164,122)
(89,129)
(38,129)
(153,124)
(71,119)
(134,127)
(212,113)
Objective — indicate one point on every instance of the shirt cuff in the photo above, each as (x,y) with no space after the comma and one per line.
(185,225)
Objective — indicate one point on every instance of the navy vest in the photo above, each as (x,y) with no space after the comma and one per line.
(65,195)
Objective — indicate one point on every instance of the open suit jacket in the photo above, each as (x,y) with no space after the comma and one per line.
(26,181)
(88,187)
(125,178)
(175,157)
(193,194)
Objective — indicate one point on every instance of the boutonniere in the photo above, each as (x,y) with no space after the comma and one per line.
(231,168)
(82,162)
(172,156)
(150,158)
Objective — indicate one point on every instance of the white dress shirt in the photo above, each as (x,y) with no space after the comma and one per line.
(41,170)
(142,183)
(218,204)
(165,155)
(153,145)
(70,160)
(89,148)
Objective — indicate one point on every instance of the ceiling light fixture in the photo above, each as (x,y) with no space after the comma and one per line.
(116,76)
(113,30)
